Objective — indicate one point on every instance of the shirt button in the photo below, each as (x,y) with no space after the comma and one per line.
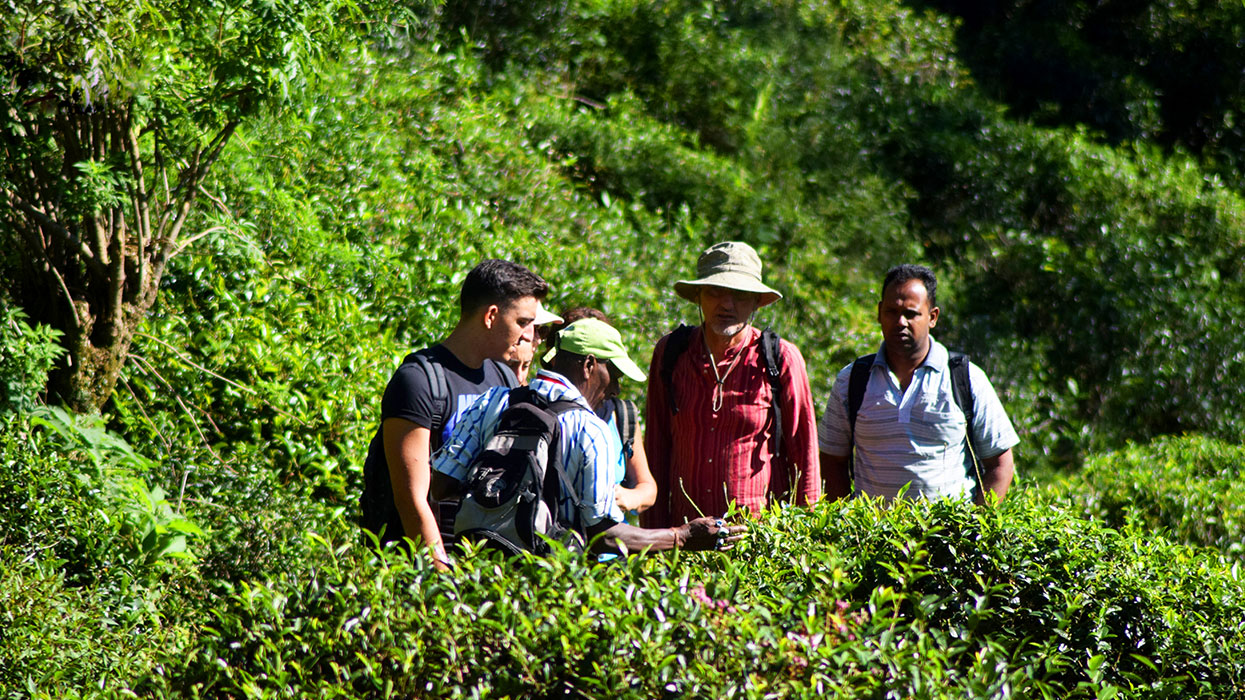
(710,460)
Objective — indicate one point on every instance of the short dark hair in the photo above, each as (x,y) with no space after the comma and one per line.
(499,282)
(574,314)
(906,272)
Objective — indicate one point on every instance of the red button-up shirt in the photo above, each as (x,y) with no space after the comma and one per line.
(702,459)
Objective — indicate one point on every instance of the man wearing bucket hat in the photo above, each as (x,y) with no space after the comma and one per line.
(584,368)
(730,412)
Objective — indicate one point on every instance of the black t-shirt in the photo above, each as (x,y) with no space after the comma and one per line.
(409,396)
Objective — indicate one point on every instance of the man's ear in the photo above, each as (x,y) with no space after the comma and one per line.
(933,316)
(490,315)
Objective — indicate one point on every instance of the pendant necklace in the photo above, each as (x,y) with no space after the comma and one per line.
(718,390)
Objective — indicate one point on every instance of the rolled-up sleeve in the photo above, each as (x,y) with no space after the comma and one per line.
(833,432)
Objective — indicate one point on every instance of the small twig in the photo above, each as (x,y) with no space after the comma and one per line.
(584,100)
(185,409)
(198,430)
(168,445)
(231,382)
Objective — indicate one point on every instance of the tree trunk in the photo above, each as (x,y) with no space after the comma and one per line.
(97,219)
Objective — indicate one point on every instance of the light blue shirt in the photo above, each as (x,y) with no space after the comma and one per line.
(591,451)
(916,436)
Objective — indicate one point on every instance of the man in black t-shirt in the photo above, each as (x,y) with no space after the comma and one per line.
(498,303)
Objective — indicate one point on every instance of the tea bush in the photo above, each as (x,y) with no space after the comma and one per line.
(847,600)
(1187,488)
(27,353)
(92,563)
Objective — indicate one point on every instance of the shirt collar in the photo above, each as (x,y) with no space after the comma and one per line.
(936,360)
(555,387)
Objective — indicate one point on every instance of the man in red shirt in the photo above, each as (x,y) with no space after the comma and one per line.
(712,434)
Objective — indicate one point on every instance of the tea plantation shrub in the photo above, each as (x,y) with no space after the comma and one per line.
(1187,488)
(90,576)
(848,600)
(27,353)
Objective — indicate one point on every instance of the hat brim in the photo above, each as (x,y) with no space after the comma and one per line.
(544,317)
(629,368)
(624,364)
(690,289)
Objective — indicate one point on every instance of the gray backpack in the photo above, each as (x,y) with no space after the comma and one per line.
(513,488)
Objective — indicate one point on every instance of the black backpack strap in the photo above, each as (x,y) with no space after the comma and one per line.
(962,391)
(508,376)
(556,479)
(676,345)
(440,390)
(856,385)
(625,420)
(771,359)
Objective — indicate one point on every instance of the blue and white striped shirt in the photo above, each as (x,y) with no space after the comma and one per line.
(916,436)
(591,456)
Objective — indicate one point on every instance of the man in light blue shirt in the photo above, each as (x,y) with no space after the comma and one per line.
(585,368)
(909,430)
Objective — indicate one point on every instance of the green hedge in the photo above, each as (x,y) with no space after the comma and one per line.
(1187,488)
(856,600)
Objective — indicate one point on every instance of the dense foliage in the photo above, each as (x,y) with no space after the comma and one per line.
(198,538)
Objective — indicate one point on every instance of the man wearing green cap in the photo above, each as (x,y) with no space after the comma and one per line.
(584,367)
(730,412)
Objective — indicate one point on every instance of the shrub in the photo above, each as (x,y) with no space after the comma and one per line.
(27,354)
(1186,488)
(847,600)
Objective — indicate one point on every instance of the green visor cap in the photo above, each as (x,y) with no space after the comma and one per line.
(588,336)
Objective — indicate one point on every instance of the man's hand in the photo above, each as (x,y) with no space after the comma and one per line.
(710,533)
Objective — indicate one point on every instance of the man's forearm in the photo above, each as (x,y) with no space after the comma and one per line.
(621,538)
(834,474)
(999,472)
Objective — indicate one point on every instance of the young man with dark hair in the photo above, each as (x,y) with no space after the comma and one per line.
(917,416)
(499,303)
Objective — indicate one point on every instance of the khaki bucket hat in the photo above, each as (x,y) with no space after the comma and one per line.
(732,265)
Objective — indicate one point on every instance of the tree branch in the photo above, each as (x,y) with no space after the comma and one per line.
(47,223)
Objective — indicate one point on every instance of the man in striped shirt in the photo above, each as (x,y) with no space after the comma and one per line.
(910,432)
(586,366)
(711,434)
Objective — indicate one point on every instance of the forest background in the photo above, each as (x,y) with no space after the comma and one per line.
(225,222)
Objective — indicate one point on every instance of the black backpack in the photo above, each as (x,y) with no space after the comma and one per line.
(961,391)
(771,358)
(513,487)
(379,515)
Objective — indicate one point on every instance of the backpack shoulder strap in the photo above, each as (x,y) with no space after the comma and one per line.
(771,358)
(440,389)
(676,345)
(856,385)
(962,391)
(625,413)
(508,376)
(961,387)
